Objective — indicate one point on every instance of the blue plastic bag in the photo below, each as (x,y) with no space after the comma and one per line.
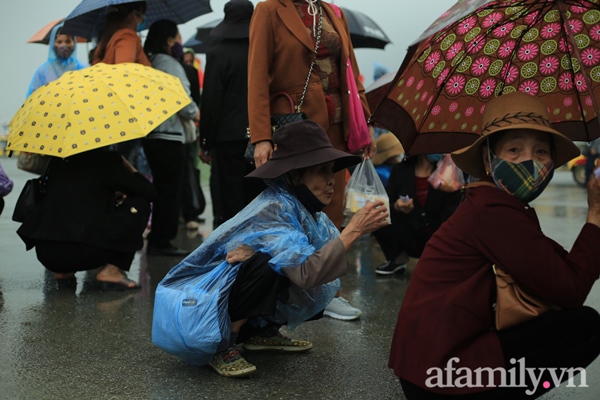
(190,312)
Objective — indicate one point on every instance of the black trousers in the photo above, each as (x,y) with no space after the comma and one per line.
(558,339)
(399,237)
(235,191)
(68,257)
(166,159)
(255,292)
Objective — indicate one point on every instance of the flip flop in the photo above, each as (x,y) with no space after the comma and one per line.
(120,285)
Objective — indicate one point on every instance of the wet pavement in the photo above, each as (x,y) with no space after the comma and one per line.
(87,344)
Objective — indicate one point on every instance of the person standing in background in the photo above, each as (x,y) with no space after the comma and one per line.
(164,146)
(62,57)
(193,201)
(225,110)
(119,41)
(283,38)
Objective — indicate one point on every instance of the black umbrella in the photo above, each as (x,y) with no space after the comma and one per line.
(203,31)
(201,42)
(364,32)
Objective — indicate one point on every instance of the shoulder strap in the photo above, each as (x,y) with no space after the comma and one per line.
(478,183)
(312,64)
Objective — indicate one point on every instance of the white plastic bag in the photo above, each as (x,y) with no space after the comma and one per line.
(364,185)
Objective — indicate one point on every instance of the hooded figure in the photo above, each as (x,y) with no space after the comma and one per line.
(61,58)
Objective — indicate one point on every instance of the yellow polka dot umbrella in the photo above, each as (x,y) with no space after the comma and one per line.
(95,107)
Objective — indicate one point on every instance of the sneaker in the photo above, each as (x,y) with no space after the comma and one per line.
(277,342)
(388,268)
(231,364)
(339,308)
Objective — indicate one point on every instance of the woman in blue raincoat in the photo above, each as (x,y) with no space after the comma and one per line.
(276,262)
(62,57)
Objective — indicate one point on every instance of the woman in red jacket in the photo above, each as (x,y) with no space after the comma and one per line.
(446,342)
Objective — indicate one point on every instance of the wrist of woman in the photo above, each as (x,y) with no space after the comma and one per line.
(349,236)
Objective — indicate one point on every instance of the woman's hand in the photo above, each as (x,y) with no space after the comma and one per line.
(239,254)
(369,151)
(368,219)
(593,190)
(404,206)
(263,150)
(204,156)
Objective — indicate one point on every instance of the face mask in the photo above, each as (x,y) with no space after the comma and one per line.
(308,199)
(141,26)
(434,158)
(177,50)
(526,180)
(63,52)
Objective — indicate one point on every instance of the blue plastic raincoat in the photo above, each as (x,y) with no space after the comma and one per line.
(55,66)
(190,311)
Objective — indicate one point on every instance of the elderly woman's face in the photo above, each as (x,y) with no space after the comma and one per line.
(319,180)
(521,145)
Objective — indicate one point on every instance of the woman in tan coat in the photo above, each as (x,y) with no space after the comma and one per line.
(283,37)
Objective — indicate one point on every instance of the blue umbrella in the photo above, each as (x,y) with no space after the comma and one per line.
(87,19)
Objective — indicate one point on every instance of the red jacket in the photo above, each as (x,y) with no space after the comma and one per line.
(447,311)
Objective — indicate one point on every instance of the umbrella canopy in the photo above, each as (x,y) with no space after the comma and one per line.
(202,41)
(549,49)
(86,19)
(95,107)
(43,35)
(364,32)
(203,31)
(378,89)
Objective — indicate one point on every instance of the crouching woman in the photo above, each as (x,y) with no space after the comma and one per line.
(274,263)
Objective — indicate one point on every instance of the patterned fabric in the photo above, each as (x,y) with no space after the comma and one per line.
(526,180)
(549,49)
(327,65)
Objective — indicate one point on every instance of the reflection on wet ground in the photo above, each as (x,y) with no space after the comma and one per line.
(82,343)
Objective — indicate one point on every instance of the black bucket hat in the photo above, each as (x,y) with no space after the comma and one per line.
(300,145)
(236,24)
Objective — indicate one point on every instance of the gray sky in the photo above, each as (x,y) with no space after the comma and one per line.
(402,20)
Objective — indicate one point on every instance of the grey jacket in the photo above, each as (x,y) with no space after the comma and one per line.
(172,129)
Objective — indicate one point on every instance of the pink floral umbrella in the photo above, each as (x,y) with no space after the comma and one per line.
(547,48)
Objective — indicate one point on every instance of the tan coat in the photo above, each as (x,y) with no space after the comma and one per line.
(280,54)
